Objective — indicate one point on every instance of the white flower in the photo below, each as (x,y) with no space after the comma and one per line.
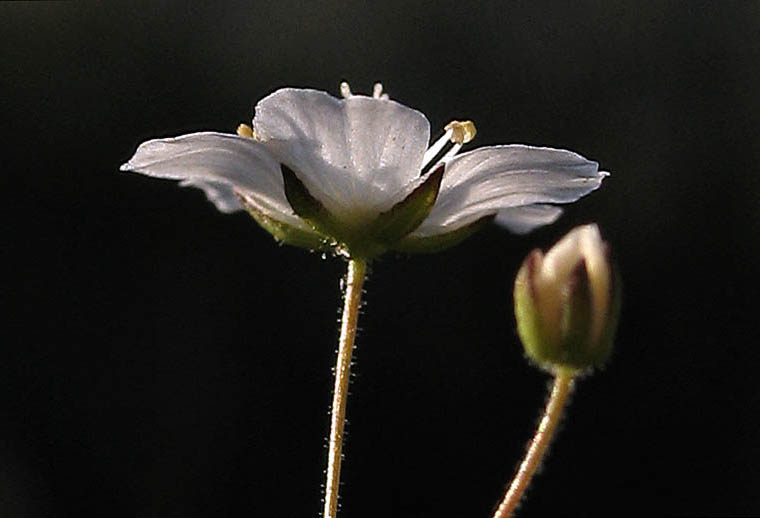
(355,159)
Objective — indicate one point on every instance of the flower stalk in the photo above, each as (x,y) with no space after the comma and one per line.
(357,269)
(547,428)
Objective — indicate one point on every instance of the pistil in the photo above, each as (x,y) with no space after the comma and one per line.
(377,92)
(345,90)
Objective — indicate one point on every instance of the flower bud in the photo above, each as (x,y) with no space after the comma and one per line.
(567,302)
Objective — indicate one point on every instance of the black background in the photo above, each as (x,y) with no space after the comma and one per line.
(160,358)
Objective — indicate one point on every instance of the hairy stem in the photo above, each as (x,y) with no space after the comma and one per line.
(563,383)
(352,300)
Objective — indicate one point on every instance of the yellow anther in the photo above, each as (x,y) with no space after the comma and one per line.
(244,130)
(461,131)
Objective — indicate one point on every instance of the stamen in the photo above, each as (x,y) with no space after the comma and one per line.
(345,90)
(458,133)
(453,151)
(244,130)
(464,131)
(436,148)
(377,91)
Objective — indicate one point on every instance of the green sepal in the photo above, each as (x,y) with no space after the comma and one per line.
(306,206)
(431,244)
(539,346)
(408,214)
(286,233)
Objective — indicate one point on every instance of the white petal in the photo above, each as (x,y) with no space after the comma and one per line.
(354,154)
(220,194)
(583,242)
(489,180)
(522,220)
(220,164)
(562,258)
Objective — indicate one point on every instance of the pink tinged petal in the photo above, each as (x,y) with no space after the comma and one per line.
(492,179)
(354,155)
(220,164)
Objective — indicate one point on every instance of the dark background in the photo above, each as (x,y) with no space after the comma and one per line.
(160,358)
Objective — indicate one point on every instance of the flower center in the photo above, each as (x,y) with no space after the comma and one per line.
(457,133)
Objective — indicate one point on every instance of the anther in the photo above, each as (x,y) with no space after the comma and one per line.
(345,90)
(462,131)
(244,130)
